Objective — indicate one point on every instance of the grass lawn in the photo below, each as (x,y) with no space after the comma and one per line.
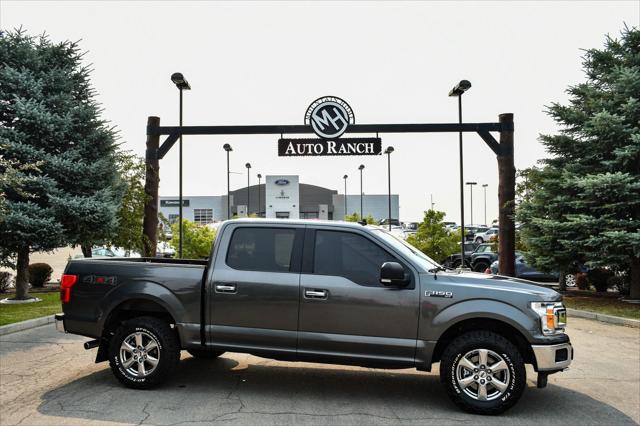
(14,313)
(603,305)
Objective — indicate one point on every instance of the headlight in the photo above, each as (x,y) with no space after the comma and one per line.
(553,316)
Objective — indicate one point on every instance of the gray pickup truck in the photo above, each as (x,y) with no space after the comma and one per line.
(316,291)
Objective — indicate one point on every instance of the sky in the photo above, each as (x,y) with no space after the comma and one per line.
(393,62)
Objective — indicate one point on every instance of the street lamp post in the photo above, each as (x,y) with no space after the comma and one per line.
(248,166)
(458,90)
(182,84)
(345,177)
(484,186)
(471,184)
(228,148)
(361,209)
(259,202)
(388,151)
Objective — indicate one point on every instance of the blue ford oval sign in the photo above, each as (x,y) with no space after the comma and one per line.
(282,182)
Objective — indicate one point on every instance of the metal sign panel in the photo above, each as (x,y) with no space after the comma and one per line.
(174,203)
(329,117)
(328,147)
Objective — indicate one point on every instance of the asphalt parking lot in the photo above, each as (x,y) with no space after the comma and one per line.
(48,378)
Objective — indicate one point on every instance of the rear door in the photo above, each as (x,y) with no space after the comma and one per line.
(255,288)
(346,315)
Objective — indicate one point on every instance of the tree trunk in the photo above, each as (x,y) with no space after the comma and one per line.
(151,183)
(86,249)
(635,278)
(22,274)
(562,283)
(506,201)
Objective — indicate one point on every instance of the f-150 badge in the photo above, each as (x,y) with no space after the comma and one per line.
(438,293)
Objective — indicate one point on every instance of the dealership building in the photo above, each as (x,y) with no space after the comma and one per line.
(281,196)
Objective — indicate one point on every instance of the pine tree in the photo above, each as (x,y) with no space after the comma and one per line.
(49,119)
(584,202)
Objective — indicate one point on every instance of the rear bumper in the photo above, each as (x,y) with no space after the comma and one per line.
(553,357)
(60,323)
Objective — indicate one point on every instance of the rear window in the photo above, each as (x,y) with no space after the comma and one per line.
(261,249)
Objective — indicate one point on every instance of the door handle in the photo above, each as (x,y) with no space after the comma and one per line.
(225,288)
(315,294)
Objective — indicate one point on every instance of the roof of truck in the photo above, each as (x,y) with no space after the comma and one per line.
(340,223)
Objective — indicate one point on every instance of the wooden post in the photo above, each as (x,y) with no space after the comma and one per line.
(506,200)
(152,180)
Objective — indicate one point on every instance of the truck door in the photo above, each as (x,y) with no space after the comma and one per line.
(346,314)
(255,288)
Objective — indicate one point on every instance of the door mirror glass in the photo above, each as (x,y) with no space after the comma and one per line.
(392,273)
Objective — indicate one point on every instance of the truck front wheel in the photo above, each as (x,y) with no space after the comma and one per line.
(143,352)
(483,372)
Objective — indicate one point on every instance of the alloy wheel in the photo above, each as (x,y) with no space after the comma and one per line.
(139,354)
(483,374)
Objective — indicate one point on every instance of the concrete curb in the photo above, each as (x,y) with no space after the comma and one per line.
(603,318)
(25,325)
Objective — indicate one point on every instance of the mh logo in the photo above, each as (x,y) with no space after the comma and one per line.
(329,117)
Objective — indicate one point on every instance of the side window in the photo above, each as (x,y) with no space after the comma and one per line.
(261,249)
(349,255)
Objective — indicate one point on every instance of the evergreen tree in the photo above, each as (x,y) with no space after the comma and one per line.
(49,118)
(583,203)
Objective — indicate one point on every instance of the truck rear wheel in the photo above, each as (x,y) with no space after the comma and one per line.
(143,352)
(204,354)
(483,372)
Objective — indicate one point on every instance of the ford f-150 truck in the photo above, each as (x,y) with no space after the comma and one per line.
(320,292)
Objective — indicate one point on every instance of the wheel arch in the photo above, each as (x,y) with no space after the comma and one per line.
(148,299)
(498,326)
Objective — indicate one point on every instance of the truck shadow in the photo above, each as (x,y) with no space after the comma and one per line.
(264,391)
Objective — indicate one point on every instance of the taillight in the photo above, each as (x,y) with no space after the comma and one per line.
(66,282)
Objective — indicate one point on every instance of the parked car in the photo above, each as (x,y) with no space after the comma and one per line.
(453,261)
(526,271)
(105,251)
(164,249)
(486,236)
(483,257)
(318,292)
(471,231)
(385,222)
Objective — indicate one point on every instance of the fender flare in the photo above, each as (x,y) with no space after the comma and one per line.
(486,309)
(145,290)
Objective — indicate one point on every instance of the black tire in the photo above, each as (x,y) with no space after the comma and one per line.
(479,240)
(480,266)
(204,354)
(167,352)
(474,340)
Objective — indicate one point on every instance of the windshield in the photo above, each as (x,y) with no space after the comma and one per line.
(407,249)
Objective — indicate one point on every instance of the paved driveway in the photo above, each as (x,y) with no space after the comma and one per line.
(48,378)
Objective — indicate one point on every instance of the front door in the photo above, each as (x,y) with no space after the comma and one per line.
(255,289)
(345,313)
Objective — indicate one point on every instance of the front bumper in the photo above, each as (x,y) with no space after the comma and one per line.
(553,357)
(60,323)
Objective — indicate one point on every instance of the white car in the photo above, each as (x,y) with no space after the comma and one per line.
(488,235)
(164,249)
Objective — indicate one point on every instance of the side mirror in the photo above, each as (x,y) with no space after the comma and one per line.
(392,274)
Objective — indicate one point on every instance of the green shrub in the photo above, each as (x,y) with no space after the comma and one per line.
(5,281)
(198,239)
(39,274)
